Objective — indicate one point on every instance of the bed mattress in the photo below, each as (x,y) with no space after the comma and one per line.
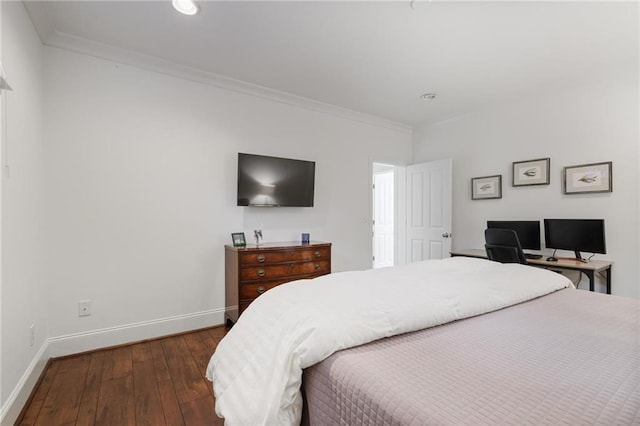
(257,368)
(571,357)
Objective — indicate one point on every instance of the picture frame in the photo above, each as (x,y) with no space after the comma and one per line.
(238,239)
(486,187)
(531,172)
(588,178)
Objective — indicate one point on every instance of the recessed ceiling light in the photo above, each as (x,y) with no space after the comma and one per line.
(187,7)
(429,96)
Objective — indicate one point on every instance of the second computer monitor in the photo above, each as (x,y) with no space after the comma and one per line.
(528,231)
(575,234)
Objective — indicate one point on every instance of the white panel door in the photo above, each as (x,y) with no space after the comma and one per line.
(428,210)
(383,219)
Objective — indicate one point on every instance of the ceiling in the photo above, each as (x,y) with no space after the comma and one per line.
(372,57)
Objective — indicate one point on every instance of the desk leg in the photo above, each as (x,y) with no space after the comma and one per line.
(608,271)
(591,276)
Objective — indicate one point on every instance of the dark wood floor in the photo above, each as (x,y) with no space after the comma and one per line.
(160,382)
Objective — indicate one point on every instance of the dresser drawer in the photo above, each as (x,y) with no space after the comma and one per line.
(282,256)
(285,270)
(253,290)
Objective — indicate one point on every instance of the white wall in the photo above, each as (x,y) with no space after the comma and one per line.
(141,181)
(24,291)
(2,127)
(593,119)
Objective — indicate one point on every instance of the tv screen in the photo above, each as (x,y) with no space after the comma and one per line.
(576,235)
(528,231)
(275,182)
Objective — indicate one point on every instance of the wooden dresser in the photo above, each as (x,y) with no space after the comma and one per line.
(251,270)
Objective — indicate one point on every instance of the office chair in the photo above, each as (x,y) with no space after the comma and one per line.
(503,245)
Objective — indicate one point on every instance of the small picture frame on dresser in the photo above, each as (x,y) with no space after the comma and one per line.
(238,239)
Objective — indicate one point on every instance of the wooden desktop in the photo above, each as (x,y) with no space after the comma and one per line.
(589,268)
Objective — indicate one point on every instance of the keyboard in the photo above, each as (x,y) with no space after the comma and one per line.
(532,256)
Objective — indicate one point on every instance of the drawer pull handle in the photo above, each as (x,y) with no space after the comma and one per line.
(261,273)
(317,253)
(261,258)
(317,266)
(261,289)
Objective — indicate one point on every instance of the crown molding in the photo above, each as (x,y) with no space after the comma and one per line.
(151,63)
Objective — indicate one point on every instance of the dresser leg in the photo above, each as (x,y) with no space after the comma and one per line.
(228,323)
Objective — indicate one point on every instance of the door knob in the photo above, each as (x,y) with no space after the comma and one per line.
(446,235)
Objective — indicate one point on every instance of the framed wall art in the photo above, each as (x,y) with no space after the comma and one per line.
(588,178)
(238,239)
(486,187)
(531,172)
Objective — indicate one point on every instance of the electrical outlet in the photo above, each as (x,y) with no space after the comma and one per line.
(32,335)
(84,308)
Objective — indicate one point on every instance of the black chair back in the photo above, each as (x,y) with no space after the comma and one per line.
(503,245)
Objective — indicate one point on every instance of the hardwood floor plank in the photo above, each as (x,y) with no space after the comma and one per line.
(210,345)
(185,374)
(188,389)
(210,342)
(141,352)
(94,375)
(170,405)
(217,332)
(199,351)
(117,363)
(89,401)
(148,404)
(31,414)
(162,370)
(63,399)
(200,412)
(116,402)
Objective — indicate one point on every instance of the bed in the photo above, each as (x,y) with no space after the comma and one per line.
(454,341)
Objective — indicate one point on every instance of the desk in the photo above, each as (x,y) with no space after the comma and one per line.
(589,268)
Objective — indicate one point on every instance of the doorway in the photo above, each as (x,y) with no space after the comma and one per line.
(383,215)
(411,212)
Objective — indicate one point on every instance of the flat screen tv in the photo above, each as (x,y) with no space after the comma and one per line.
(528,231)
(275,182)
(576,235)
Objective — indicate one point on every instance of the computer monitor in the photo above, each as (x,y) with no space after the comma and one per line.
(528,231)
(576,235)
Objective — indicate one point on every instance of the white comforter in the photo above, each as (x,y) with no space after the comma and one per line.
(257,368)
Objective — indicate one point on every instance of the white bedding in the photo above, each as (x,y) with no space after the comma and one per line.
(257,368)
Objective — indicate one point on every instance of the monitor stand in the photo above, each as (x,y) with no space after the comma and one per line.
(532,256)
(579,256)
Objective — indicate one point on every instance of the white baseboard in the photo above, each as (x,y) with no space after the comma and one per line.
(112,336)
(98,339)
(11,409)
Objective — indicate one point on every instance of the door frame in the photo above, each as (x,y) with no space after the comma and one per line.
(400,201)
(400,211)
(384,169)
